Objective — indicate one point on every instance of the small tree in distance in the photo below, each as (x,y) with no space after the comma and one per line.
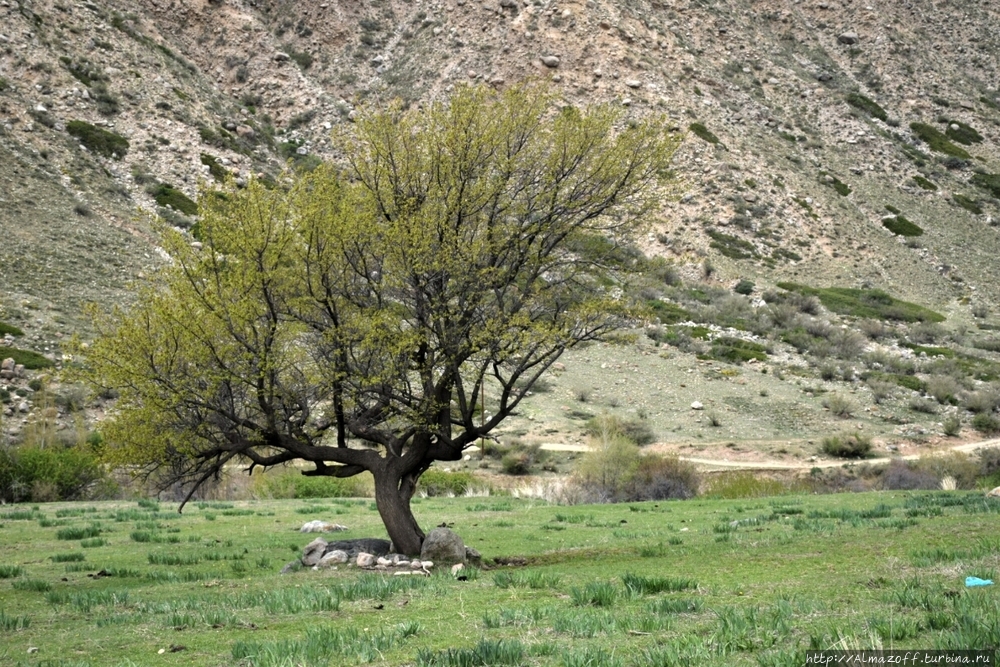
(351,319)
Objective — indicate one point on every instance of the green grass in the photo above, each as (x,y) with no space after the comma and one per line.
(925,183)
(703,133)
(988,182)
(9,329)
(870,107)
(215,168)
(874,304)
(98,140)
(731,246)
(167,195)
(968,203)
(793,573)
(900,226)
(30,360)
(938,141)
(962,133)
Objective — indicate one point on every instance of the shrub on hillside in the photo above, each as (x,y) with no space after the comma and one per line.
(986,423)
(657,478)
(848,446)
(635,430)
(98,140)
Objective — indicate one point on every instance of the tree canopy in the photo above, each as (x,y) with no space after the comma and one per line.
(350,317)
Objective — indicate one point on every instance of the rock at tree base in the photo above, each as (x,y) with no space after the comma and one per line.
(365,560)
(331,558)
(368,545)
(313,552)
(443,546)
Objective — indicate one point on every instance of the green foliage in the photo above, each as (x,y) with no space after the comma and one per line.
(50,473)
(703,133)
(869,303)
(900,226)
(962,133)
(925,183)
(937,141)
(218,172)
(731,246)
(295,348)
(968,203)
(988,182)
(842,188)
(851,446)
(303,59)
(168,195)
(440,483)
(986,423)
(668,313)
(870,107)
(293,484)
(744,287)
(9,329)
(736,350)
(98,140)
(635,430)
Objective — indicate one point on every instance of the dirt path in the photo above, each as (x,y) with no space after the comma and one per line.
(716,464)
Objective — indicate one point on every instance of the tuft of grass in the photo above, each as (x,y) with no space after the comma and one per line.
(33,585)
(78,532)
(167,195)
(963,133)
(595,594)
(215,168)
(486,653)
(10,571)
(640,585)
(925,183)
(13,623)
(70,557)
(9,329)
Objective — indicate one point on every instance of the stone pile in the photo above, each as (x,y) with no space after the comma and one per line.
(441,545)
(10,370)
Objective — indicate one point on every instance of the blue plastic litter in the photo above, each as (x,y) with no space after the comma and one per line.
(976,581)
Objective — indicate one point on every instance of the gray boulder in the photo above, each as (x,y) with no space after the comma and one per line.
(848,38)
(313,552)
(366,545)
(443,546)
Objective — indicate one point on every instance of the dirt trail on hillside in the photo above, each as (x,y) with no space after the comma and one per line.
(710,463)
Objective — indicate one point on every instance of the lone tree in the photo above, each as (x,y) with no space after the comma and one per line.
(350,317)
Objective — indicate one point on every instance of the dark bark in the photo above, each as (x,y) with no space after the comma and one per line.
(392,497)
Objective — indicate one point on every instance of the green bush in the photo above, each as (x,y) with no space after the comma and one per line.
(988,182)
(98,140)
(440,483)
(870,107)
(167,195)
(736,350)
(962,133)
(218,172)
(291,483)
(852,446)
(30,360)
(937,141)
(48,474)
(986,423)
(518,458)
(703,132)
(902,227)
(637,431)
(924,183)
(657,478)
(744,287)
(9,329)
(731,246)
(968,203)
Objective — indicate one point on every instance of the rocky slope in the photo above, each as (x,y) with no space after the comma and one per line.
(804,139)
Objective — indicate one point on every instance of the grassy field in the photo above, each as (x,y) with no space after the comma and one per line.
(706,582)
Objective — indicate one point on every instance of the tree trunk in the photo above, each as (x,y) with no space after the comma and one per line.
(394,508)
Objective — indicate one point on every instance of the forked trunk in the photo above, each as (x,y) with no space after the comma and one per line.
(393,505)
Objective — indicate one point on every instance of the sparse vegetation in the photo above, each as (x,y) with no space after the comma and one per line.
(868,303)
(925,183)
(937,141)
(27,358)
(167,195)
(98,140)
(703,133)
(870,107)
(900,226)
(988,182)
(968,203)
(849,446)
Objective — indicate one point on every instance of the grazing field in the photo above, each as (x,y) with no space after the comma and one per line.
(702,582)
